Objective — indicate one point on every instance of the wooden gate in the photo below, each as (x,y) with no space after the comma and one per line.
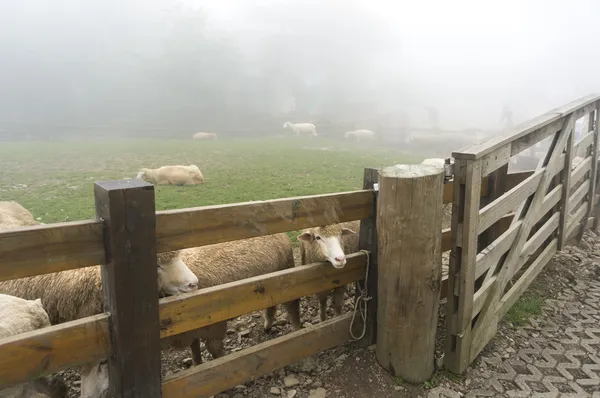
(553,204)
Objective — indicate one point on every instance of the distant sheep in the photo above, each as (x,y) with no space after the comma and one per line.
(205,136)
(329,243)
(437,162)
(358,134)
(12,214)
(18,316)
(232,261)
(302,128)
(172,175)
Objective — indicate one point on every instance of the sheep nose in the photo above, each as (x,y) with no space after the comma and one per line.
(193,286)
(340,258)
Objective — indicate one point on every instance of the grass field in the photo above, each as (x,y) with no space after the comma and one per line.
(55,180)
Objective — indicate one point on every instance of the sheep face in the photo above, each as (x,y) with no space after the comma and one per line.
(328,241)
(347,134)
(94,380)
(286,125)
(174,276)
(141,174)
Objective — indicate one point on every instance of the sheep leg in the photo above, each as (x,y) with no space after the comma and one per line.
(322,297)
(215,347)
(293,310)
(269,315)
(338,300)
(196,352)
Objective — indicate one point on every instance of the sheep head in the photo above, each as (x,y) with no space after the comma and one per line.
(328,241)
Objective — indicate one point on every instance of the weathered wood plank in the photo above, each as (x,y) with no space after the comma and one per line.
(43,249)
(529,249)
(226,372)
(509,201)
(593,151)
(189,311)
(180,229)
(511,297)
(465,213)
(578,196)
(493,161)
(129,286)
(586,140)
(566,182)
(490,256)
(579,172)
(409,225)
(574,219)
(578,108)
(48,350)
(367,240)
(448,189)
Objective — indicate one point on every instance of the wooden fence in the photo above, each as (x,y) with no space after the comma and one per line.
(554,203)
(126,237)
(489,223)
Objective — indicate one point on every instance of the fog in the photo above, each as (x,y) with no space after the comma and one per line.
(171,68)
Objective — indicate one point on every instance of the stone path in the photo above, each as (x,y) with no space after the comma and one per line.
(557,355)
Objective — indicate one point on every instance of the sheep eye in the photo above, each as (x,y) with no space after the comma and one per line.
(317,237)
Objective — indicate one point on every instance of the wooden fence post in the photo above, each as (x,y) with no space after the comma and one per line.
(129,285)
(564,200)
(368,241)
(409,229)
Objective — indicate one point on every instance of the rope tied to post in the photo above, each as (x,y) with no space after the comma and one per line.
(360,304)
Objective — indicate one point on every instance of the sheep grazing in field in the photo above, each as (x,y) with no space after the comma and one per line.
(329,243)
(205,136)
(172,175)
(302,128)
(232,261)
(12,214)
(358,134)
(18,316)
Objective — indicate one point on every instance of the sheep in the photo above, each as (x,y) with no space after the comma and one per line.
(231,261)
(172,175)
(329,243)
(437,162)
(18,316)
(304,128)
(205,136)
(12,214)
(77,293)
(358,134)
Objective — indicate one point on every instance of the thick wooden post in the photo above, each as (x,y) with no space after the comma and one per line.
(129,285)
(368,241)
(409,229)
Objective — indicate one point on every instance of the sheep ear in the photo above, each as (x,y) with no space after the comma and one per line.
(347,231)
(305,236)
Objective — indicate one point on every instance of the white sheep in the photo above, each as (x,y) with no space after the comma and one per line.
(361,133)
(204,136)
(12,214)
(18,316)
(172,175)
(437,162)
(215,265)
(302,128)
(329,243)
(228,262)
